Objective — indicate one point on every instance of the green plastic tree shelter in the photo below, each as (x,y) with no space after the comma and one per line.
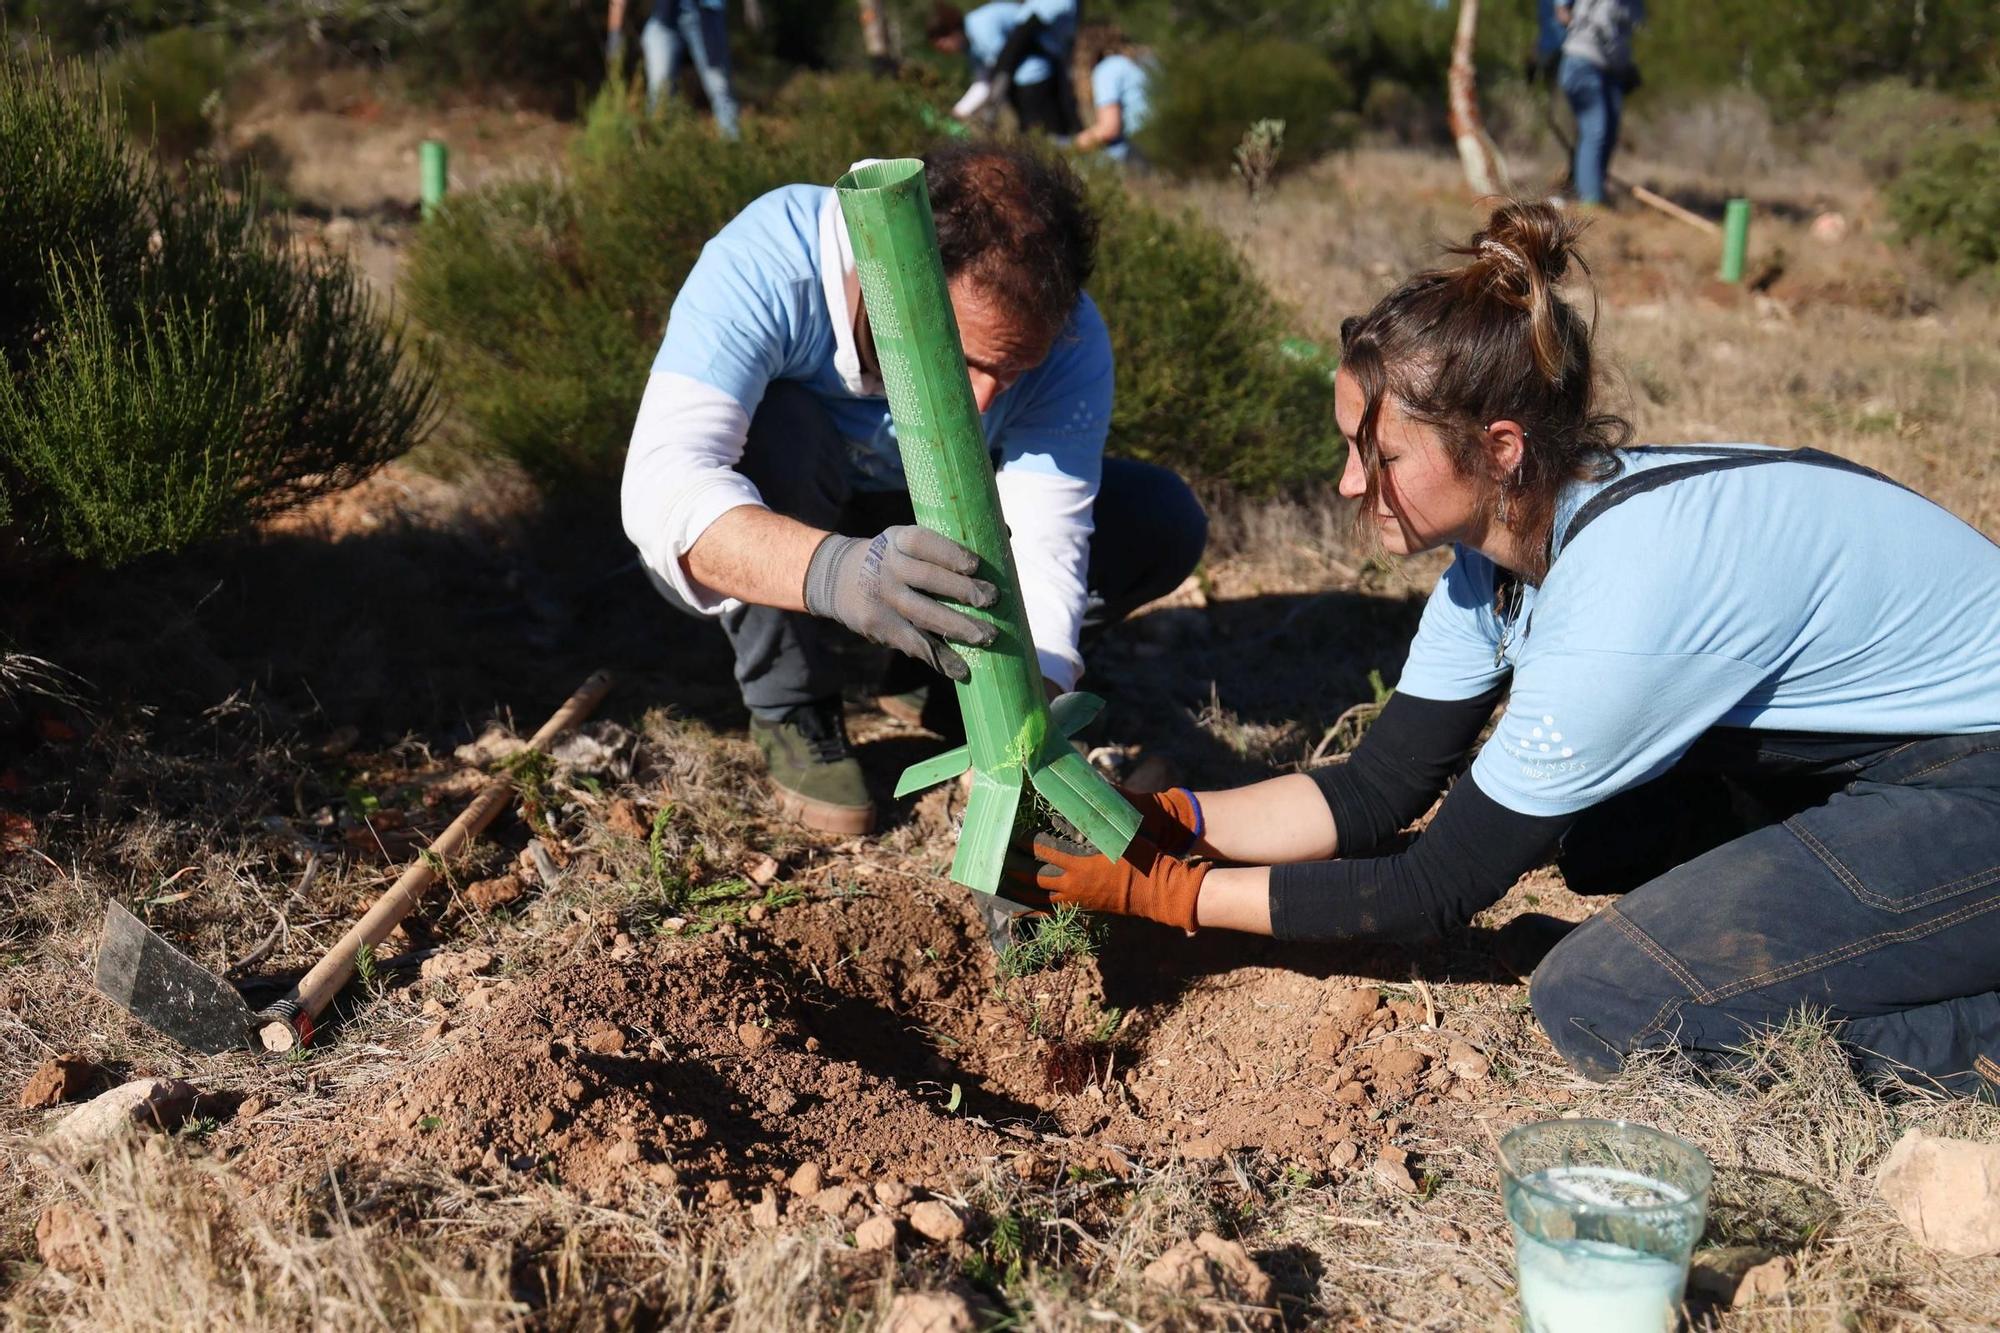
(1013,739)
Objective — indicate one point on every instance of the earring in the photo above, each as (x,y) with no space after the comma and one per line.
(1502,509)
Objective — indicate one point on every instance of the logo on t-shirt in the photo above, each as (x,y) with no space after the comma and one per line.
(1540,746)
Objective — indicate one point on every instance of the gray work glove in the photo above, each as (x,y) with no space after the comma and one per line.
(886,590)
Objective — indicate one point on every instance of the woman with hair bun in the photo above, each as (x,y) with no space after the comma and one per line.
(1756,691)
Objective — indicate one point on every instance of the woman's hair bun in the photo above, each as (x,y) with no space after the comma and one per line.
(1520,256)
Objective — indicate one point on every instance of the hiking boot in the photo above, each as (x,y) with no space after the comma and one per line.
(932,706)
(814,774)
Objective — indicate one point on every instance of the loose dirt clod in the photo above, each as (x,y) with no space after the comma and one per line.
(491,894)
(70,1240)
(936,1221)
(58,1079)
(929,1312)
(1209,1268)
(876,1233)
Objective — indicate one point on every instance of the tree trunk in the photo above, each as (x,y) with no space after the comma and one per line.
(1485,169)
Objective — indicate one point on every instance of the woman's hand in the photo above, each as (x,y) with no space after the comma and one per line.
(1145,882)
(1171,819)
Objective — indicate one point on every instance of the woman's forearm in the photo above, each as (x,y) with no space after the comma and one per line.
(1268,823)
(1237,898)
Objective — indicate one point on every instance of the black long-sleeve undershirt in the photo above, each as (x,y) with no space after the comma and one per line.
(1468,856)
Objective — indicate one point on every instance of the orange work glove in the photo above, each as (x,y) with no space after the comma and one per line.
(1171,820)
(1144,882)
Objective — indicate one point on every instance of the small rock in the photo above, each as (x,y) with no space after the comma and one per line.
(755,912)
(624,820)
(1352,1010)
(720,1194)
(58,1079)
(764,1212)
(1828,228)
(490,894)
(664,1175)
(753,1037)
(147,1103)
(605,1040)
(1946,1191)
(70,1240)
(454,966)
(1392,1168)
(435,1031)
(834,1199)
(877,1233)
(251,1107)
(891,1193)
(928,1312)
(545,1122)
(807,1181)
(780,1100)
(1210,1268)
(1466,1063)
(625,1152)
(1765,1283)
(1207,1148)
(1343,1154)
(935,1220)
(762,871)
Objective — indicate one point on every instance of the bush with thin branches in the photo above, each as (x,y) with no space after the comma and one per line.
(172,372)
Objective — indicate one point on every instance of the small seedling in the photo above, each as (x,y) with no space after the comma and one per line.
(1050,942)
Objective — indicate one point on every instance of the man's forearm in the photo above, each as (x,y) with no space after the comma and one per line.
(755,556)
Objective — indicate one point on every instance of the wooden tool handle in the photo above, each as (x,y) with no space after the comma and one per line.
(315,989)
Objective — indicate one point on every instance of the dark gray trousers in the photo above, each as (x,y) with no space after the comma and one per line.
(1150,532)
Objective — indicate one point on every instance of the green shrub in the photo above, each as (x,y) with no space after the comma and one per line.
(1208,93)
(1203,385)
(172,372)
(171,84)
(1947,200)
(549,297)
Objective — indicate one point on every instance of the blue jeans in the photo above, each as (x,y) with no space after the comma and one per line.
(1150,532)
(1598,102)
(1867,889)
(703,33)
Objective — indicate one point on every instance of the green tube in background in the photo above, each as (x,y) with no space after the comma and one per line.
(1735,238)
(1013,738)
(433,160)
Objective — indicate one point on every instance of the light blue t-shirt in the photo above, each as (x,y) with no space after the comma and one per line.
(988,27)
(1122,80)
(1779,597)
(754,309)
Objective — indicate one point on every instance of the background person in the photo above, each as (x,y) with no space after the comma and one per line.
(1595,73)
(1119,77)
(698,29)
(1790,768)
(1017,54)
(763,486)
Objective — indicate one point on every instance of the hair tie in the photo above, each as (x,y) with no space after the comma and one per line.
(1508,257)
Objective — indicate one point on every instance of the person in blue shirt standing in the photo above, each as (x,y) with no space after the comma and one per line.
(698,29)
(1019,53)
(1120,78)
(1753,691)
(764,488)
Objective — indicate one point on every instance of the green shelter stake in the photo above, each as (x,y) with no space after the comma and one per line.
(1013,738)
(1735,238)
(432,159)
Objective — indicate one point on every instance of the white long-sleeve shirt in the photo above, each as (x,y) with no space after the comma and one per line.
(774,296)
